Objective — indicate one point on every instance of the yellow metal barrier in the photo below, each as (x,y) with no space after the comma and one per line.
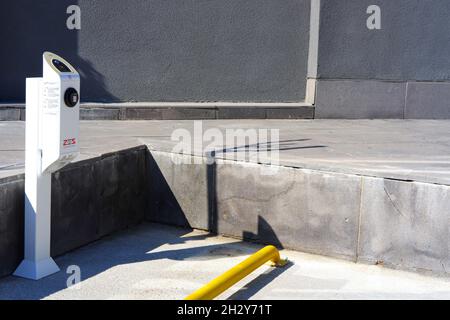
(237,273)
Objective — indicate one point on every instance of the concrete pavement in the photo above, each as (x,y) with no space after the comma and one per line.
(154,261)
(415,150)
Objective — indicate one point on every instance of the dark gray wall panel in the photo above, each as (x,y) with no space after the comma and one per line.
(159,50)
(414,42)
(27,29)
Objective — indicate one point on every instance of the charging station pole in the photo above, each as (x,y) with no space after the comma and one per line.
(52,128)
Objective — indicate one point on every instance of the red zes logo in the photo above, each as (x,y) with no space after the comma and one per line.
(69,142)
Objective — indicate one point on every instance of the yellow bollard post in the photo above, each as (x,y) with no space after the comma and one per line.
(237,273)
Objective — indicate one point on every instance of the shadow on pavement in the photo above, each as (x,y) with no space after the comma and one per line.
(257,284)
(136,245)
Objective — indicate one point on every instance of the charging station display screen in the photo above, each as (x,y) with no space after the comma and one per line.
(60,66)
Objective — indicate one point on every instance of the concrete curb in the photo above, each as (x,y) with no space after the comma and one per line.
(177,111)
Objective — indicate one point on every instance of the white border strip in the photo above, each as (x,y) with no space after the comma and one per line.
(202,104)
(313,52)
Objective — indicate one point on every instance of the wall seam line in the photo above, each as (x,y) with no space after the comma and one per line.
(406,99)
(358,237)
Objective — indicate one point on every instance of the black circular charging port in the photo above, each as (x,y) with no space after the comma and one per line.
(71,97)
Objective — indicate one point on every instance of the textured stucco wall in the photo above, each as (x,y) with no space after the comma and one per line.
(401,71)
(159,50)
(413,43)
(27,29)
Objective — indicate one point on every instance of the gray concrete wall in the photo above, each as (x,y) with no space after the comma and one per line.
(413,43)
(158,50)
(239,51)
(12,221)
(358,67)
(400,224)
(27,29)
(90,199)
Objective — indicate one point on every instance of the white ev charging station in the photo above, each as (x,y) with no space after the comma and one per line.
(52,128)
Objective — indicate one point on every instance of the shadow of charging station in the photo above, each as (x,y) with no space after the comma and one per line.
(52,129)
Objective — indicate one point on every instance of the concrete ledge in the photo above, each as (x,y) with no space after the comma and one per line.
(299,209)
(428,100)
(10,114)
(177,111)
(360,99)
(178,193)
(311,211)
(397,223)
(100,114)
(376,99)
(90,199)
(196,105)
(405,224)
(363,219)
